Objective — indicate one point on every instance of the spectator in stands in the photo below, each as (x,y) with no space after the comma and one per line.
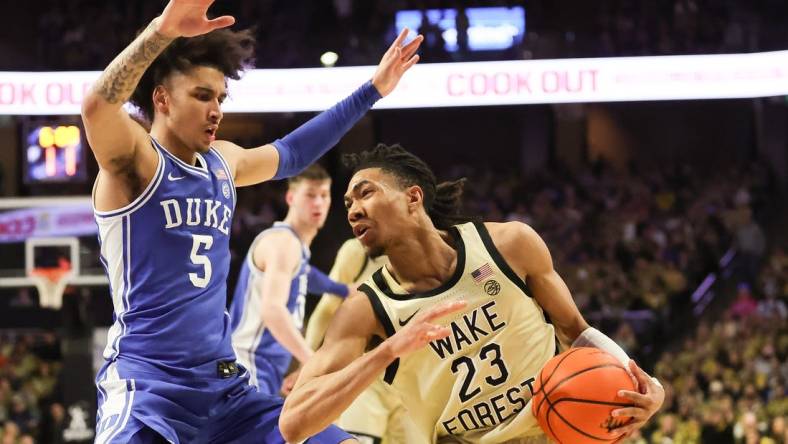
(745,304)
(640,27)
(731,376)
(751,245)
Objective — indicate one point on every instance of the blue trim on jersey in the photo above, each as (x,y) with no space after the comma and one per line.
(203,172)
(138,202)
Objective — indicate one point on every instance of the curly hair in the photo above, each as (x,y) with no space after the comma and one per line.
(442,201)
(231,52)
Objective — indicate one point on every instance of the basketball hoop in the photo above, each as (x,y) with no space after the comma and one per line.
(50,264)
(51,282)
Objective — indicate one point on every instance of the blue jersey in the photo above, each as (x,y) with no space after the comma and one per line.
(167,256)
(255,346)
(167,371)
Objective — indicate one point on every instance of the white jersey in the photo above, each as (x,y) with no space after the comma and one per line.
(473,386)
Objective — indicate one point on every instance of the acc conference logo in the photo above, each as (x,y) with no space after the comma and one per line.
(226,190)
(78,428)
(492,287)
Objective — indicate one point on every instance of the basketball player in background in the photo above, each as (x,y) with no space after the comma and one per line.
(164,203)
(464,308)
(377,415)
(267,312)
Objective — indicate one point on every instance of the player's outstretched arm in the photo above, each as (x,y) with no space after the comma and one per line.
(114,137)
(338,372)
(289,155)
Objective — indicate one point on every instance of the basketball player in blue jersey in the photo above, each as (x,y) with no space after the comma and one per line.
(164,201)
(267,312)
(464,308)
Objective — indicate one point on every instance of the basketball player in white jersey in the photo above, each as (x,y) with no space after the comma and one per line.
(377,415)
(164,202)
(464,307)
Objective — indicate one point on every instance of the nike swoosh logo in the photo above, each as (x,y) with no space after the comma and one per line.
(405,322)
(173,179)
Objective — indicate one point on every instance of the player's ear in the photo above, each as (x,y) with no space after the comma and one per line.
(415,196)
(289,197)
(161,99)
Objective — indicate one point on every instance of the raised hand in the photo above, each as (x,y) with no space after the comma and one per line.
(188,18)
(421,330)
(396,60)
(647,401)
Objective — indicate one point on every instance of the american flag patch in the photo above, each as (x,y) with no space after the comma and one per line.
(482,273)
(220,174)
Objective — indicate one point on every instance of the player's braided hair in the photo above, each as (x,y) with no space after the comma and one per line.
(231,52)
(442,201)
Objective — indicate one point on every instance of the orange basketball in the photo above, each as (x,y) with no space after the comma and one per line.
(575,393)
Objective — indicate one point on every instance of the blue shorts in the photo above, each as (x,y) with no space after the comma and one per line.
(269,377)
(142,407)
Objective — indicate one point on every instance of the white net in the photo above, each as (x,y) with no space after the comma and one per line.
(49,244)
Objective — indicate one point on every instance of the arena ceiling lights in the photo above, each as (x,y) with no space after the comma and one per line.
(725,76)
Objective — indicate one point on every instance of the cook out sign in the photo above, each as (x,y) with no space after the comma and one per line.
(455,84)
(505,83)
(43,92)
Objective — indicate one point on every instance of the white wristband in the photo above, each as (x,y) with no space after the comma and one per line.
(592,337)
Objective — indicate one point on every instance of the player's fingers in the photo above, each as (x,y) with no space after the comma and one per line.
(635,412)
(221,22)
(443,309)
(625,430)
(413,60)
(437,332)
(411,48)
(637,398)
(642,377)
(400,38)
(635,382)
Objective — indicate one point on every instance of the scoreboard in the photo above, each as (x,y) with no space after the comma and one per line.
(53,153)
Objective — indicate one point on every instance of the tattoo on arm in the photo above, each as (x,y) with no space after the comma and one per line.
(118,81)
